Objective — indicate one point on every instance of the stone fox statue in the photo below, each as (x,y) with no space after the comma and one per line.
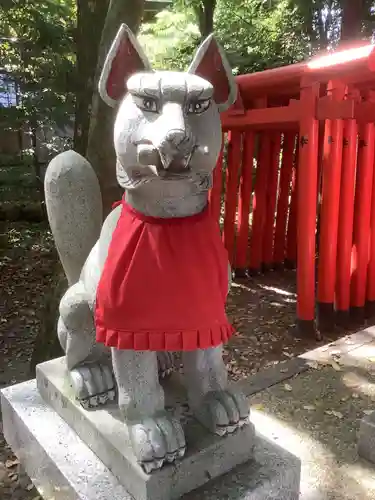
(153,278)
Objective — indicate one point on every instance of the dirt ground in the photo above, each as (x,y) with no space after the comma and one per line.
(262,309)
(27,259)
(316,416)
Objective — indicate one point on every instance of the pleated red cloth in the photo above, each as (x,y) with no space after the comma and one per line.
(164,284)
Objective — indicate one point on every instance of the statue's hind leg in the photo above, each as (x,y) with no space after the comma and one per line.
(88,362)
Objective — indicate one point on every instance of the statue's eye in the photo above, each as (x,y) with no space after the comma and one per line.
(196,107)
(147,103)
(150,104)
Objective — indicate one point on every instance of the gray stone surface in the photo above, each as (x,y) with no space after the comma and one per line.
(215,405)
(104,432)
(56,460)
(74,207)
(366,438)
(141,401)
(64,468)
(341,346)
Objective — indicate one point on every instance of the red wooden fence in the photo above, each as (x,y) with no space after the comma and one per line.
(299,188)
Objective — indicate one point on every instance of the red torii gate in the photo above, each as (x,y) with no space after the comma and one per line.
(310,127)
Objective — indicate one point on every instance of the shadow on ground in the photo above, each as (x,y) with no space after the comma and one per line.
(316,416)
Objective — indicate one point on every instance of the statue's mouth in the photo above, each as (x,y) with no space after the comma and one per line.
(178,167)
(163,165)
(166,166)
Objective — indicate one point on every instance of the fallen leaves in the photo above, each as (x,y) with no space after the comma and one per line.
(259,407)
(313,364)
(288,354)
(335,413)
(309,407)
(26,267)
(3,473)
(11,463)
(318,365)
(263,326)
(335,365)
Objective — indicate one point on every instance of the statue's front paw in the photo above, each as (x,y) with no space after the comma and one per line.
(157,440)
(93,384)
(223,412)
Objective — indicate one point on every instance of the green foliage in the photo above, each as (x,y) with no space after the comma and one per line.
(37,54)
(37,49)
(170,40)
(322,20)
(255,34)
(258,35)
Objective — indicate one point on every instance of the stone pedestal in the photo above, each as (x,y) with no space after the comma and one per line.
(70,453)
(366,438)
(104,432)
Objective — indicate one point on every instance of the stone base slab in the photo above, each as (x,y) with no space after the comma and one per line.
(208,456)
(64,468)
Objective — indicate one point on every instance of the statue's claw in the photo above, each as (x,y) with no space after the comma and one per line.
(223,412)
(93,385)
(165,364)
(157,440)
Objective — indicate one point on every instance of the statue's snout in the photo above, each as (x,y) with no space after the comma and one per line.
(176,148)
(150,155)
(169,142)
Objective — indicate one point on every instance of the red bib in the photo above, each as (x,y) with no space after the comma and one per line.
(164,284)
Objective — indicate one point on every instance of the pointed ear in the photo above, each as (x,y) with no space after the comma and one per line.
(125,57)
(211,64)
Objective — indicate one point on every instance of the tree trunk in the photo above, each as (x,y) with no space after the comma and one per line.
(204,11)
(100,150)
(91,15)
(37,169)
(351,22)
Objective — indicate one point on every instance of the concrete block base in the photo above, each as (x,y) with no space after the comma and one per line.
(208,456)
(63,467)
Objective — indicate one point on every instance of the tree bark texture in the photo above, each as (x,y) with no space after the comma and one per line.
(351,22)
(91,15)
(205,10)
(100,149)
